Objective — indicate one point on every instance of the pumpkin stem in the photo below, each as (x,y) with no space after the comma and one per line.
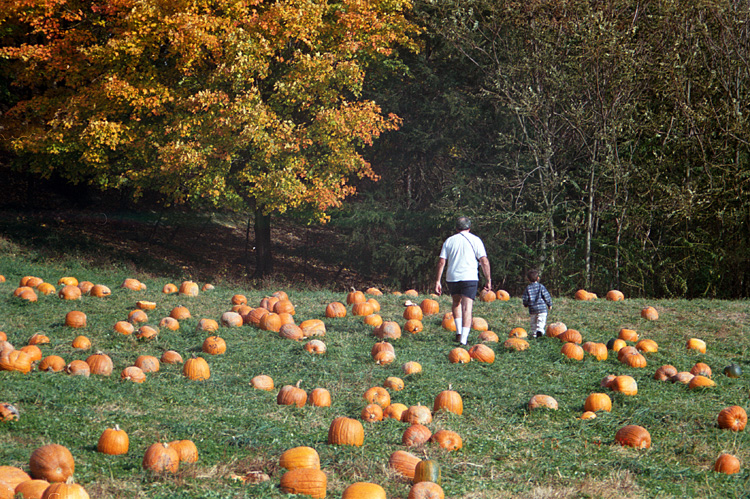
(298,383)
(117,427)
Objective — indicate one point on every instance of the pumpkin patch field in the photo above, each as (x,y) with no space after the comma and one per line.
(125,385)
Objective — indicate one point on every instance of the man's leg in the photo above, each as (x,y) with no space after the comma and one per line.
(467,304)
(456,309)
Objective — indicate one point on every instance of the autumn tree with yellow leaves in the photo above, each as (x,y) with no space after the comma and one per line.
(248,104)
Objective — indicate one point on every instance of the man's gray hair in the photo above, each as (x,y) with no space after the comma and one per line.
(463,223)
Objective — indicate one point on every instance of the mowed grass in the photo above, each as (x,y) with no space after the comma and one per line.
(508,450)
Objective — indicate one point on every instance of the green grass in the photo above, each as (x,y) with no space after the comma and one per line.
(508,451)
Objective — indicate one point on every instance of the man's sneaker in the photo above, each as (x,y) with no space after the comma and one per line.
(538,334)
(457,339)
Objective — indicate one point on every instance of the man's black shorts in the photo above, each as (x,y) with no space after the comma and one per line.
(465,288)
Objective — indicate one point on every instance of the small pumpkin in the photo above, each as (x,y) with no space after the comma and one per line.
(597,350)
(78,368)
(647,346)
(231,319)
(169,323)
(335,309)
(188,288)
(633,436)
(377,395)
(75,318)
(555,329)
(482,353)
(665,372)
(160,457)
(516,344)
(65,490)
(207,325)
(214,345)
(427,470)
(700,381)
(479,324)
(305,481)
(615,295)
(727,464)
(99,291)
(598,402)
(320,397)
(411,367)
(52,462)
(292,395)
(448,440)
(147,363)
(187,452)
(571,336)
(488,337)
(346,431)
(169,289)
(429,306)
(417,414)
(81,342)
(572,351)
(416,434)
(8,412)
(395,411)
(624,384)
(450,401)
(650,314)
(124,327)
(315,347)
(70,292)
(360,490)
(197,369)
(313,327)
(134,374)
(628,335)
(393,383)
(701,369)
(171,357)
(388,330)
(262,382)
(404,463)
(413,326)
(180,312)
(52,363)
(355,296)
(459,356)
(373,291)
(372,413)
(426,490)
(113,441)
(373,320)
(300,457)
(31,489)
(732,418)
(542,401)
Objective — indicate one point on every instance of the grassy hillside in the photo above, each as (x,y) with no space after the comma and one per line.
(508,450)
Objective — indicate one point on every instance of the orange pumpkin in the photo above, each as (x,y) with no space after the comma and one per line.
(300,457)
(732,418)
(633,436)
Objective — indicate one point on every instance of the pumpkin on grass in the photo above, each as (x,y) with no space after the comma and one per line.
(377,395)
(362,490)
(305,481)
(447,439)
(187,452)
(372,413)
(292,395)
(427,470)
(113,441)
(633,436)
(732,418)
(320,397)
(403,463)
(415,434)
(598,402)
(449,400)
(542,401)
(160,457)
(32,489)
(727,464)
(346,431)
(52,462)
(300,457)
(426,490)
(65,490)
(262,382)
(197,369)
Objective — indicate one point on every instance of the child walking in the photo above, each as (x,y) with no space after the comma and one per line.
(538,300)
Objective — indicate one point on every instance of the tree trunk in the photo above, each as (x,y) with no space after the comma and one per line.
(263,255)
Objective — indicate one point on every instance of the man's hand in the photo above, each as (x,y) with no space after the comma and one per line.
(438,288)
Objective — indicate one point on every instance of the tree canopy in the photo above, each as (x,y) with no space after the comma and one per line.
(219,101)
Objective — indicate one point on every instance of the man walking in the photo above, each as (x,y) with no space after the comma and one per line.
(461,252)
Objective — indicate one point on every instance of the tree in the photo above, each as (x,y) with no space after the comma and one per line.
(243,104)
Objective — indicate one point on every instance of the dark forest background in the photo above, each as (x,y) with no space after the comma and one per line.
(603,142)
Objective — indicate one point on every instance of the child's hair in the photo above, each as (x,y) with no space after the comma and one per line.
(532,275)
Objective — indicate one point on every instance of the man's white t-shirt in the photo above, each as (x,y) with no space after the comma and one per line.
(462,251)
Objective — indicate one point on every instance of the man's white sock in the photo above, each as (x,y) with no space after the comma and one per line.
(465,334)
(458,325)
